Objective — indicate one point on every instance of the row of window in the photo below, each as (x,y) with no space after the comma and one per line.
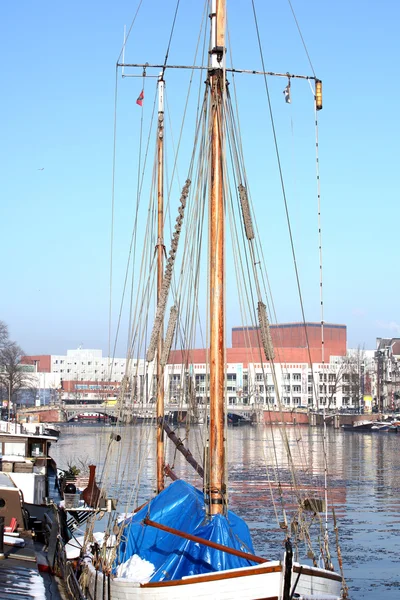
(90,363)
(84,372)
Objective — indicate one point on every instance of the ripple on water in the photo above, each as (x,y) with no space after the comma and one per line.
(364,471)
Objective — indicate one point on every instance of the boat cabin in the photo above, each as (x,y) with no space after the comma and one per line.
(10,503)
(25,458)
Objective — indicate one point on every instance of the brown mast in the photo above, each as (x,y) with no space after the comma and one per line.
(160,267)
(217,488)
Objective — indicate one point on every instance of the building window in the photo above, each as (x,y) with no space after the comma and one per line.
(231,378)
(286,400)
(174,385)
(296,388)
(296,400)
(297,376)
(286,376)
(286,388)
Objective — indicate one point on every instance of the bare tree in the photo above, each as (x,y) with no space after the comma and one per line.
(3,334)
(347,377)
(336,380)
(13,375)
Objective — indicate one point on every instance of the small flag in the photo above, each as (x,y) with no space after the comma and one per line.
(140,98)
(286,92)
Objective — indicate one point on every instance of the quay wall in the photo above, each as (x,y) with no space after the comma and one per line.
(290,417)
(41,415)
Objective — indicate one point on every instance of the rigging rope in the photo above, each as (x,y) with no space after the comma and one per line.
(112,212)
(301,37)
(170,38)
(168,274)
(129,30)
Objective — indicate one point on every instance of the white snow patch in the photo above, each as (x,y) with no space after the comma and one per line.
(123,516)
(73,548)
(136,569)
(13,541)
(36,585)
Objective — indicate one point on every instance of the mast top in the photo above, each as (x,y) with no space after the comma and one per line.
(217,42)
(161,84)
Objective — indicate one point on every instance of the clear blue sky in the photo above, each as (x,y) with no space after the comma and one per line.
(56,109)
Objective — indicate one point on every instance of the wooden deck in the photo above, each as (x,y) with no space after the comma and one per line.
(20,578)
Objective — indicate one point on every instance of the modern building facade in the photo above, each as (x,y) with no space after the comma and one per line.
(306,372)
(387,373)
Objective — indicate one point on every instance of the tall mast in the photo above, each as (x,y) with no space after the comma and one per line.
(217,489)
(160,267)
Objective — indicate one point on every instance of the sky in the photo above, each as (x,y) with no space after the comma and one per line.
(56,157)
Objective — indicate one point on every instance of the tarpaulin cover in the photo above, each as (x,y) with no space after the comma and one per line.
(181,506)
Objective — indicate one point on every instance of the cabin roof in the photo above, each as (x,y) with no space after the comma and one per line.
(7,437)
(6,481)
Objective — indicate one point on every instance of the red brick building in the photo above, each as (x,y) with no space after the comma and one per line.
(289,340)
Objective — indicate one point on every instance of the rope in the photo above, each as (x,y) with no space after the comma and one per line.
(129,30)
(301,37)
(112,211)
(326,537)
(170,38)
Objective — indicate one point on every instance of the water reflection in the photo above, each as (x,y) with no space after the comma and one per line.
(364,474)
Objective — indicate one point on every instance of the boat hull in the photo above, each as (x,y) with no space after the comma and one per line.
(247,583)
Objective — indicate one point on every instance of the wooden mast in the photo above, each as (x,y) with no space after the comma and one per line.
(217,487)
(160,268)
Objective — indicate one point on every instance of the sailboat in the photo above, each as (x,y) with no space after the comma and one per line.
(185,542)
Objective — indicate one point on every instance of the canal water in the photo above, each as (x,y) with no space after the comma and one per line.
(363,474)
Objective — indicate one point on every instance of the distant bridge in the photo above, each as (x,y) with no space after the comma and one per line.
(72,410)
(69,411)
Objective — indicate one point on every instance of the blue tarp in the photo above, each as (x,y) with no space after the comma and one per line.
(181,506)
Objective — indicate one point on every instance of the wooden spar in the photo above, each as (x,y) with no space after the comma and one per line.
(169,473)
(160,268)
(185,451)
(199,540)
(217,488)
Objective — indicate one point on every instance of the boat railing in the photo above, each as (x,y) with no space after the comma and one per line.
(67,571)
